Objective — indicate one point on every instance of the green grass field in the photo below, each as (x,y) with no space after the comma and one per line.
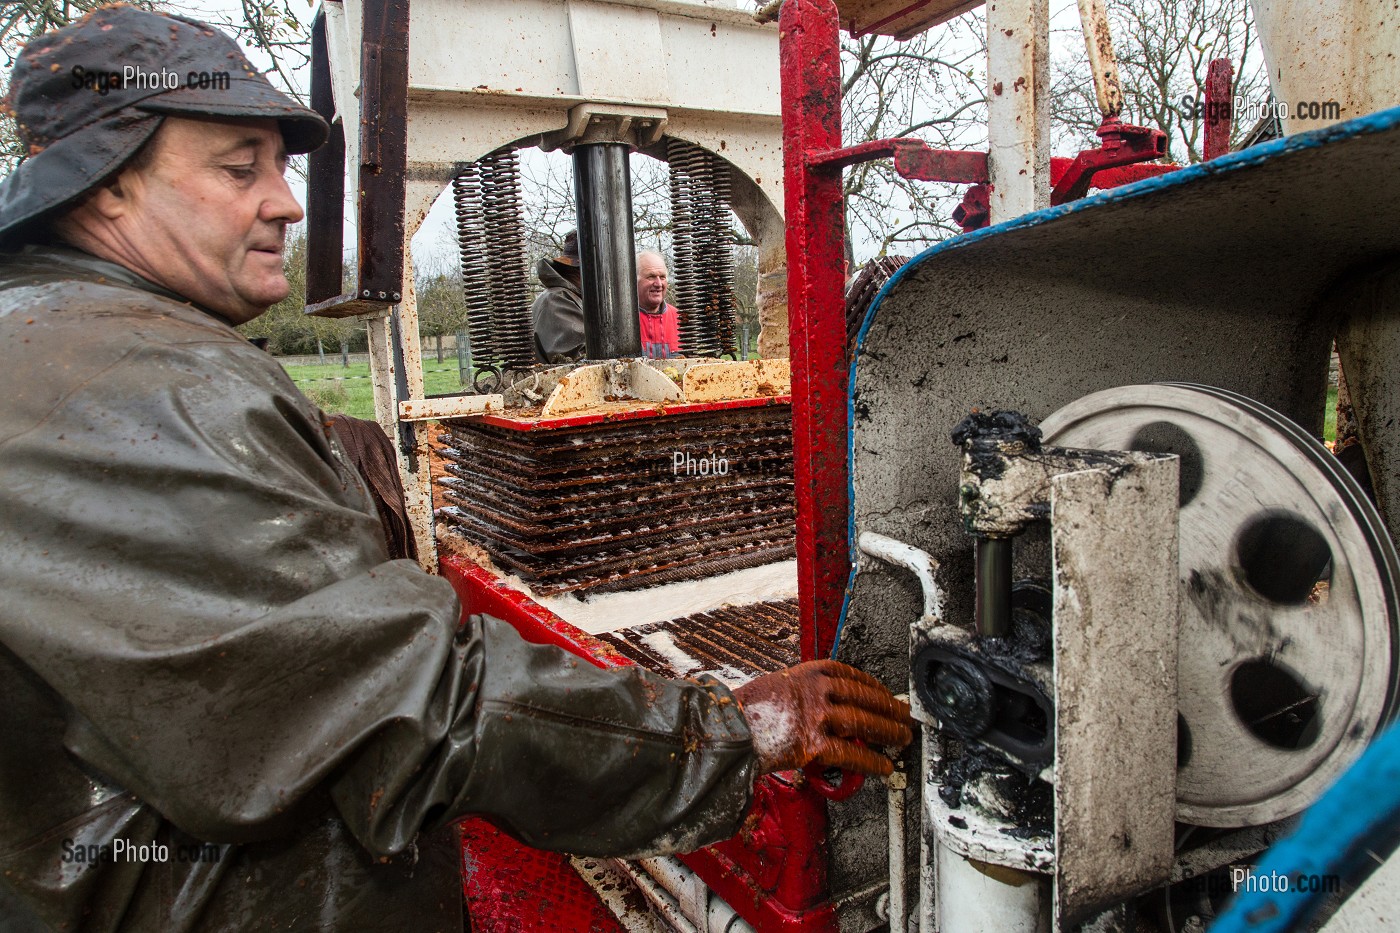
(346,389)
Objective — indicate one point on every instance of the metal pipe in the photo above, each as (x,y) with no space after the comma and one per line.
(897,783)
(993,610)
(974,897)
(920,563)
(1103,64)
(682,896)
(607,257)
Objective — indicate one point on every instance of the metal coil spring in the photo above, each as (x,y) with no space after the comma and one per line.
(471,245)
(491,239)
(702,245)
(505,224)
(681,158)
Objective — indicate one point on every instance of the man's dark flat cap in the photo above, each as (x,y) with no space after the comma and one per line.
(86,97)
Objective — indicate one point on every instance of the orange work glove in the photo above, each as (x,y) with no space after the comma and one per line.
(820,711)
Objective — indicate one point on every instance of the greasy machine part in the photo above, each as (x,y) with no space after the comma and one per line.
(603,204)
(1288,597)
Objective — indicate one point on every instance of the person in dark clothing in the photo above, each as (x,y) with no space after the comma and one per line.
(222,706)
(558,310)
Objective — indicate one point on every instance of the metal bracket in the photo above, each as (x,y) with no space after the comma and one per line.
(638,127)
(350,306)
(1115,566)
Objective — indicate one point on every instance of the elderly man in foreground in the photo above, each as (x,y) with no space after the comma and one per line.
(223,707)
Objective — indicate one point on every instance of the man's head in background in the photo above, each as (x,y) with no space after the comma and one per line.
(651,281)
(154,144)
(567,262)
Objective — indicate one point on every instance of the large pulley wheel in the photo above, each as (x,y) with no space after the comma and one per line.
(1287,648)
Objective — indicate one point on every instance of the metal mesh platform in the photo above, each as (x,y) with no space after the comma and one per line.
(735,643)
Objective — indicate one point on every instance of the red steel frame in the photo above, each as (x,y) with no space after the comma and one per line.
(813,157)
(810,62)
(774,872)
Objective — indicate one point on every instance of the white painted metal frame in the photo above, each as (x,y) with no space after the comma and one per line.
(490,73)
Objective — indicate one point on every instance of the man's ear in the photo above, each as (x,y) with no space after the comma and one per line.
(112,198)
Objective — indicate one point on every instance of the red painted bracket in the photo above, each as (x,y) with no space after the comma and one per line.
(1220,116)
(1123,144)
(913,159)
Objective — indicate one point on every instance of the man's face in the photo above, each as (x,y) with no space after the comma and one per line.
(651,282)
(206,218)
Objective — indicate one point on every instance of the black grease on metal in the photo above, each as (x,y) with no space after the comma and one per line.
(955,682)
(1034,805)
(1027,643)
(985,437)
(1003,426)
(1032,800)
(964,700)
(957,772)
(1030,637)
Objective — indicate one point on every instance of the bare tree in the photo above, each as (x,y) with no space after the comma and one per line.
(442,309)
(930,87)
(1164,50)
(21,21)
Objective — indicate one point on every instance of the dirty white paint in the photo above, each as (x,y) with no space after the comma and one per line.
(1115,567)
(1346,51)
(1018,106)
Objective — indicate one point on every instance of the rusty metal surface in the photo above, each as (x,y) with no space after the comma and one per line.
(748,640)
(901,19)
(325,183)
(1220,116)
(455,406)
(487,205)
(1103,64)
(528,420)
(618,506)
(706,382)
(587,387)
(383,149)
(811,76)
(703,287)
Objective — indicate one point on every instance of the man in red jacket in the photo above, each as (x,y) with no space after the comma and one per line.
(661,336)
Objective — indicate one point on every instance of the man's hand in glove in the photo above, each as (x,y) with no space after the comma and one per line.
(821,711)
